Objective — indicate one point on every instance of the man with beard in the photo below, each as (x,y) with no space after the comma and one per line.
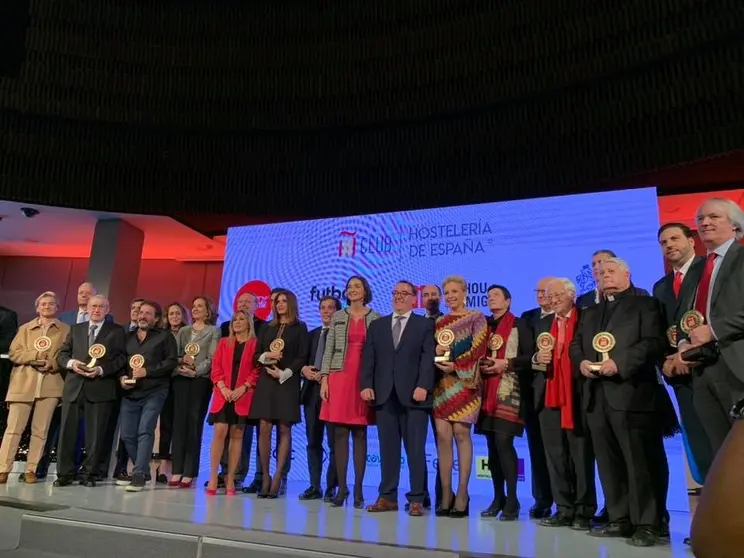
(152,356)
(431,296)
(617,345)
(528,326)
(678,247)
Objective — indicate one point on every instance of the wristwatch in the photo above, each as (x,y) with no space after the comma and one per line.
(737,411)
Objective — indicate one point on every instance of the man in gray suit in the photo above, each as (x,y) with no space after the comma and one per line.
(717,296)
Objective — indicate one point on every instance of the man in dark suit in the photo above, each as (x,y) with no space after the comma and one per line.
(89,391)
(398,377)
(620,397)
(527,328)
(8,330)
(593,297)
(716,292)
(678,247)
(565,434)
(431,296)
(310,399)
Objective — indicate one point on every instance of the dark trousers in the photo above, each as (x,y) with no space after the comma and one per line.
(190,404)
(438,479)
(314,429)
(625,444)
(138,420)
(542,491)
(570,462)
(107,444)
(6,368)
(697,437)
(715,391)
(95,417)
(395,424)
(166,427)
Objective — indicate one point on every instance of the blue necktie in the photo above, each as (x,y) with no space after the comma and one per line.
(321,349)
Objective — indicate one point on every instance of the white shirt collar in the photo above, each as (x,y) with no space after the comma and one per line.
(403,316)
(723,248)
(685,267)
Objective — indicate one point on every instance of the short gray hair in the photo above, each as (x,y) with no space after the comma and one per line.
(100,297)
(46,294)
(622,264)
(733,212)
(566,282)
(459,279)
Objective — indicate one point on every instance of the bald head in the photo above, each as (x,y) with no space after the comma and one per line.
(542,291)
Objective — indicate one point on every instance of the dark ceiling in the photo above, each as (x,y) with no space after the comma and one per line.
(305,109)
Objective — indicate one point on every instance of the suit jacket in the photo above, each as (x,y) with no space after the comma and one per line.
(26,382)
(113,363)
(638,328)
(726,306)
(8,328)
(310,389)
(587,300)
(334,355)
(222,371)
(258,324)
(207,340)
(386,368)
(69,317)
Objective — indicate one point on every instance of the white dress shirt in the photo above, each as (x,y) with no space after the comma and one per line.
(685,267)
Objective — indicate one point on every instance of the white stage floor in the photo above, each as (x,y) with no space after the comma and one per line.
(193,512)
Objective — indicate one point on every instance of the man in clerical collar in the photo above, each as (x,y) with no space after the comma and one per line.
(592,298)
(620,398)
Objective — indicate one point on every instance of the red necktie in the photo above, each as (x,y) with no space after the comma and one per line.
(701,300)
(677,284)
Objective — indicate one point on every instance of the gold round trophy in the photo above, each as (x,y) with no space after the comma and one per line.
(191,350)
(495,342)
(445,338)
(135,361)
(603,343)
(545,342)
(41,345)
(276,346)
(691,320)
(95,352)
(672,336)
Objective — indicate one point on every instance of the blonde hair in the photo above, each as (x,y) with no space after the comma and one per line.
(249,319)
(46,294)
(458,279)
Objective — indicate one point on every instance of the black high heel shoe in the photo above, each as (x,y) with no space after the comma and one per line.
(455,513)
(263,492)
(274,490)
(495,508)
(443,511)
(358,498)
(340,498)
(510,515)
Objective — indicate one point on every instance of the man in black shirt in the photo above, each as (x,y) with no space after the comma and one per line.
(152,356)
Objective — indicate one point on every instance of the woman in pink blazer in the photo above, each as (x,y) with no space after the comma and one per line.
(234,376)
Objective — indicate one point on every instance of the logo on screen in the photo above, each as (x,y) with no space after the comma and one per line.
(347,244)
(585,280)
(482,470)
(262,292)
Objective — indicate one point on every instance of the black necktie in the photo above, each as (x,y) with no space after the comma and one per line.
(321,349)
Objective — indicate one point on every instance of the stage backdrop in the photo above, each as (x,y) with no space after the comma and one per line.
(512,243)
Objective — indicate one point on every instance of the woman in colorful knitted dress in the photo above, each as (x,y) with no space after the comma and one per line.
(457,395)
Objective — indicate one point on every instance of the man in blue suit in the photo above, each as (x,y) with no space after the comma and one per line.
(398,378)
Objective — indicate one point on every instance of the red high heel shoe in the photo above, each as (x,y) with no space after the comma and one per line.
(189,484)
(211,491)
(174,484)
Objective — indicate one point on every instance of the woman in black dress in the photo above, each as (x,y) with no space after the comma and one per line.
(234,375)
(282,352)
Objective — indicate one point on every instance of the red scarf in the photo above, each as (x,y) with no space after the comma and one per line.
(559,383)
(491,381)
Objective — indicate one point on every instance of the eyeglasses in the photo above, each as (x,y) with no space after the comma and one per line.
(401,294)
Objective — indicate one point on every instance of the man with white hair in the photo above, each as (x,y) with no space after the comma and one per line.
(714,305)
(565,433)
(90,389)
(616,347)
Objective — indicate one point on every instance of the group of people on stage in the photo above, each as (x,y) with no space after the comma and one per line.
(582,375)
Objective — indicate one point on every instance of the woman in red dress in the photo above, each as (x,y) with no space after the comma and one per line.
(340,389)
(234,376)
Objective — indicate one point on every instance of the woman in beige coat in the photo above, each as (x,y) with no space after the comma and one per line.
(35,385)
